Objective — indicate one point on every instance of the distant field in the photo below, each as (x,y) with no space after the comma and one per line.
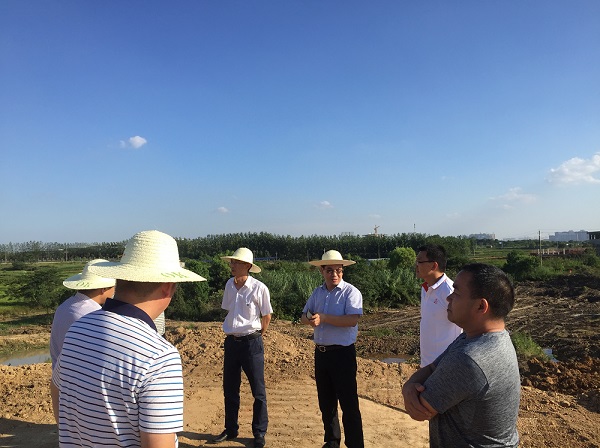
(12,305)
(494,256)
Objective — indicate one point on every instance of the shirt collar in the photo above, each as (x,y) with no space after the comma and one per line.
(441,280)
(247,284)
(340,285)
(129,310)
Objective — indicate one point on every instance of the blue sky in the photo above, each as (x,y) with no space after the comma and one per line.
(298,118)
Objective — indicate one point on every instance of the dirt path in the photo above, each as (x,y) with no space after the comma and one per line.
(295,421)
(294,418)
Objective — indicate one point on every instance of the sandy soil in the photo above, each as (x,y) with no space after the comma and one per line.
(560,405)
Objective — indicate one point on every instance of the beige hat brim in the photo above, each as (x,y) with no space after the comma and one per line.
(79,281)
(254,269)
(331,262)
(125,271)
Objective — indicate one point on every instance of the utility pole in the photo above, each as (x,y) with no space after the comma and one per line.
(540,245)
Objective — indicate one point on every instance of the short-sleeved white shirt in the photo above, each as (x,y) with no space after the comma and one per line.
(246,306)
(436,331)
(71,310)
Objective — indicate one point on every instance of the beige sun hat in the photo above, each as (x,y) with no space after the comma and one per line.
(245,255)
(150,256)
(86,280)
(331,257)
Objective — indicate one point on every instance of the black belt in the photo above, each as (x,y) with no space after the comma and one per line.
(329,348)
(254,335)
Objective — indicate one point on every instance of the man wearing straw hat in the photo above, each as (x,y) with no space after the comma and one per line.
(333,310)
(248,303)
(117,382)
(92,292)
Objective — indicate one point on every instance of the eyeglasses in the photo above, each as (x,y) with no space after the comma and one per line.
(330,271)
(424,261)
(232,262)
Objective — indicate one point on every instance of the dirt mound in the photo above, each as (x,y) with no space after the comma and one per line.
(288,356)
(559,314)
(546,419)
(571,377)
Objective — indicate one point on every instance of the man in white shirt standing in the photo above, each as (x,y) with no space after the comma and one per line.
(248,303)
(92,292)
(436,331)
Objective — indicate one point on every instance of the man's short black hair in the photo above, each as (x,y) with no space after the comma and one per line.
(491,283)
(436,253)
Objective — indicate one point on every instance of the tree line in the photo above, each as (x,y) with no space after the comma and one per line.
(384,270)
(264,246)
(285,271)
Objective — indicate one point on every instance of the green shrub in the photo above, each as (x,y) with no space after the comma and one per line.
(591,260)
(402,258)
(191,299)
(41,288)
(290,290)
(526,347)
(520,266)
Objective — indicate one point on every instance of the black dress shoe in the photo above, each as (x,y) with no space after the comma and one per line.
(332,444)
(259,441)
(223,437)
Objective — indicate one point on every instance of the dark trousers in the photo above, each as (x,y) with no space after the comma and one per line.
(335,374)
(247,355)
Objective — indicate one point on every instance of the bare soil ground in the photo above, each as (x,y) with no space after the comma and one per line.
(560,403)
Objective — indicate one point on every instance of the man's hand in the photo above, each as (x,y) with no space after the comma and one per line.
(315,320)
(412,403)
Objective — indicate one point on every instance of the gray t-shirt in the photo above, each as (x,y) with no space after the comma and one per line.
(475,389)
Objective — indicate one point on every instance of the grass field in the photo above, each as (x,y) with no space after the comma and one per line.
(13,306)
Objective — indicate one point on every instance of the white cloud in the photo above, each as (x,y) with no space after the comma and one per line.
(324,205)
(223,210)
(515,195)
(577,171)
(135,142)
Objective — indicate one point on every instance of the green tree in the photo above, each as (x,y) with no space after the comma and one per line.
(402,258)
(520,266)
(398,287)
(191,299)
(219,272)
(42,288)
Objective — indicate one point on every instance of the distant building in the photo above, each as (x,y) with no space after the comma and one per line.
(594,238)
(571,235)
(483,236)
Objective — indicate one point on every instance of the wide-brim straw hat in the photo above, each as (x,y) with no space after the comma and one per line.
(244,254)
(150,256)
(331,257)
(87,280)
